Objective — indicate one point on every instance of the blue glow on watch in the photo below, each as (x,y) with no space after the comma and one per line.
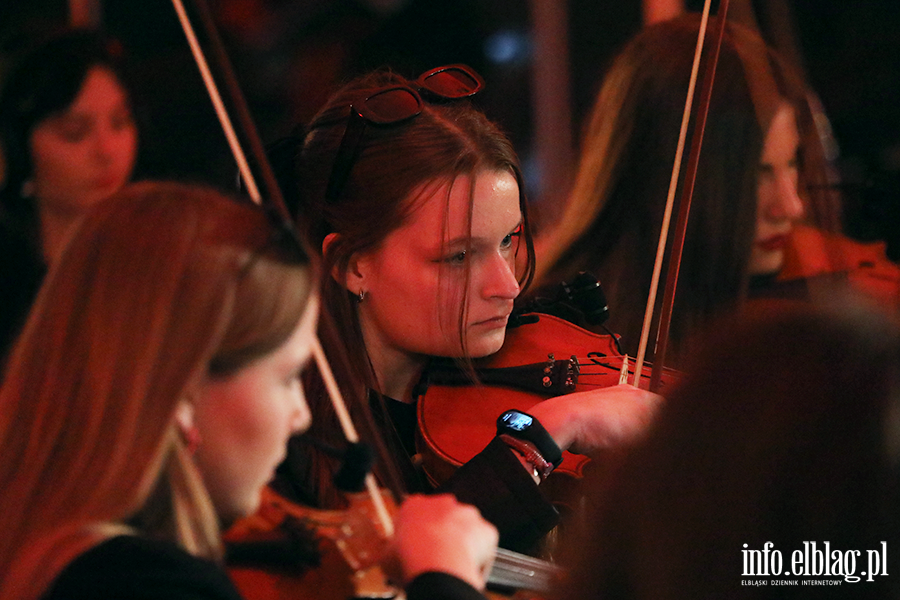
(517,420)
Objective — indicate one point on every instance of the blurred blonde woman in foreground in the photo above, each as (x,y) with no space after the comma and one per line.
(151,396)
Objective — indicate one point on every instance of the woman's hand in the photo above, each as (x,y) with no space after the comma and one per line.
(583,422)
(438,533)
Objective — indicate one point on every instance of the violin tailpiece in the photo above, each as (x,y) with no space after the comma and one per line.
(553,377)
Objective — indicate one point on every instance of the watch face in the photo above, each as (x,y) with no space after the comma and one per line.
(517,420)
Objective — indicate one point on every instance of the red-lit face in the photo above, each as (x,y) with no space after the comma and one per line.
(245,419)
(416,280)
(85,153)
(778,204)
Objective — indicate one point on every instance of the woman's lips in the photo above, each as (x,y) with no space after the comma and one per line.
(499,321)
(775,242)
(108,180)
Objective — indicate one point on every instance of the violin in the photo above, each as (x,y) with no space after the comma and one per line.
(349,554)
(346,548)
(813,254)
(466,432)
(544,357)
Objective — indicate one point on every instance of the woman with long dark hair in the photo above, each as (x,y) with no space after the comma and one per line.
(761,182)
(416,200)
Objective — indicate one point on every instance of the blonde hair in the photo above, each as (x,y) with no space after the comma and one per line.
(160,282)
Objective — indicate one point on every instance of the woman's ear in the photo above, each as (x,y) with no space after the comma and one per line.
(353,279)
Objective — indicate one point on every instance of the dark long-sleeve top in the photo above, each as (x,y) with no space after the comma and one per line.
(141,569)
(493,481)
(21,273)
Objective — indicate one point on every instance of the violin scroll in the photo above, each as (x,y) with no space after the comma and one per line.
(581,302)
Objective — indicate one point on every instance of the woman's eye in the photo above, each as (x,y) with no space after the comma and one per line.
(295,377)
(508,240)
(74,131)
(457,259)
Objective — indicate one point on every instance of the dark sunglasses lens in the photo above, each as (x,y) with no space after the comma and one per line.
(451,83)
(392,106)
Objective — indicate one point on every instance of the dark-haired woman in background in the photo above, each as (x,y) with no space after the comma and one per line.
(69,139)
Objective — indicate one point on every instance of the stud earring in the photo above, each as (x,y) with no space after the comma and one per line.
(362,295)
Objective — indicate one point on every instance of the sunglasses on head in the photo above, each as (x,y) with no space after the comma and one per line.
(393,105)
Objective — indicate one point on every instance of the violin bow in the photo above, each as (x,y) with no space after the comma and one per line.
(684,204)
(275,196)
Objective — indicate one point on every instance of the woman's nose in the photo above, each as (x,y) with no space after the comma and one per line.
(108,143)
(301,417)
(500,279)
(788,204)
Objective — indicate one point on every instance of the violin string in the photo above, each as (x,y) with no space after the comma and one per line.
(609,362)
(522,571)
(602,365)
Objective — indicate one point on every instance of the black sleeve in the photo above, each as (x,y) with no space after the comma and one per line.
(441,586)
(504,492)
(140,569)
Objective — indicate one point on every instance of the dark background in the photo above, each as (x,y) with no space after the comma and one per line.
(290,54)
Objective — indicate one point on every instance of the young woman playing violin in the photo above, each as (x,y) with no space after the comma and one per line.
(151,396)
(760,189)
(417,203)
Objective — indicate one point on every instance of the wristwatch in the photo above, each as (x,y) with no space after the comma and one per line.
(523,426)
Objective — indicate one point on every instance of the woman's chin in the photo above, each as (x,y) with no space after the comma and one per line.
(237,508)
(766,263)
(486,345)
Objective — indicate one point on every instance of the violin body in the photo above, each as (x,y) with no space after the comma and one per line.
(351,551)
(346,561)
(539,360)
(813,253)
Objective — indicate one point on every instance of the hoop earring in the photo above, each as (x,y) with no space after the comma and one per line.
(362,295)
